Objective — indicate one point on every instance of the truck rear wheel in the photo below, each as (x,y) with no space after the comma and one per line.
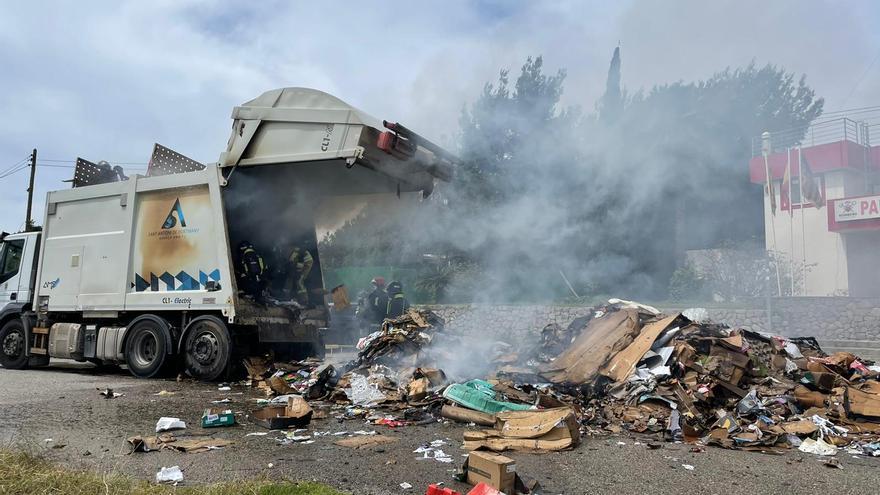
(206,348)
(145,349)
(12,346)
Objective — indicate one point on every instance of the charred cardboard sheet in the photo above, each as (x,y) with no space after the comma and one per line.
(167,441)
(862,403)
(543,430)
(365,441)
(622,365)
(604,337)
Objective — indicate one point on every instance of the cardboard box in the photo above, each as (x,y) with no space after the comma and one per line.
(418,389)
(492,469)
(297,407)
(297,413)
(217,417)
(823,380)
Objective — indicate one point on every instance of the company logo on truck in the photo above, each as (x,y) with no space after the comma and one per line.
(170,221)
(174,226)
(51,284)
(175,247)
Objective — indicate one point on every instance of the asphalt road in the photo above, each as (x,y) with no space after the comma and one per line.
(62,403)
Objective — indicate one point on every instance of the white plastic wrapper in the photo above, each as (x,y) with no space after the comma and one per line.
(171,474)
(792,350)
(623,303)
(165,424)
(818,447)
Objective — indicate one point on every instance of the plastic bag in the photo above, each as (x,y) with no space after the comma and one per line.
(818,447)
(750,404)
(165,424)
(674,427)
(171,474)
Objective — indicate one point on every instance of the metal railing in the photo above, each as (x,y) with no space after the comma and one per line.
(824,132)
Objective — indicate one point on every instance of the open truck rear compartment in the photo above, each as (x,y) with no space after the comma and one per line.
(143,267)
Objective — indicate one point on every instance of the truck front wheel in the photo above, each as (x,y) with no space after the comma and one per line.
(206,348)
(145,349)
(12,345)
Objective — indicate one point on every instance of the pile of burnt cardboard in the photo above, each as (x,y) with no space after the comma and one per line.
(631,368)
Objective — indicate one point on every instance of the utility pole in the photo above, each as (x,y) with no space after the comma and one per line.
(28,222)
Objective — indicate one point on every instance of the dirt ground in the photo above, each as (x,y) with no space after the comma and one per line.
(62,403)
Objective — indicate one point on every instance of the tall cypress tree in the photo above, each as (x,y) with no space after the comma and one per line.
(612,101)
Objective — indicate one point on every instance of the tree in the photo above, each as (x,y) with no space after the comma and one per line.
(497,133)
(611,104)
(680,154)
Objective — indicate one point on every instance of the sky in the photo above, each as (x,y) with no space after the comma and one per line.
(106,80)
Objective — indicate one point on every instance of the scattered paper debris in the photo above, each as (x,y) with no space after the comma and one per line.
(432,452)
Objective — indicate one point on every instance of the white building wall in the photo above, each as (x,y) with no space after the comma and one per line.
(803,237)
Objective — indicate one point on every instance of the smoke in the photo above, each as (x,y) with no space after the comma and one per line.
(547,196)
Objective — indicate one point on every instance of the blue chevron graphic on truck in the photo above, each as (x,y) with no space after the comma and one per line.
(169,282)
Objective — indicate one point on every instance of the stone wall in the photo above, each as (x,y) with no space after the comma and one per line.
(826,318)
(509,323)
(829,319)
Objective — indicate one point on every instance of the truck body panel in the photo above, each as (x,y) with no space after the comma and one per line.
(146,244)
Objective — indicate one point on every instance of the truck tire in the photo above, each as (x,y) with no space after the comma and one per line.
(12,345)
(146,349)
(206,348)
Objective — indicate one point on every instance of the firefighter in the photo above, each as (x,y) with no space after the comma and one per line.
(397,303)
(300,263)
(377,301)
(252,270)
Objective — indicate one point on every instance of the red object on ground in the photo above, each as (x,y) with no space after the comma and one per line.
(440,490)
(391,423)
(483,489)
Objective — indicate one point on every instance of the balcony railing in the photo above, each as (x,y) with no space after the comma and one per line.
(828,131)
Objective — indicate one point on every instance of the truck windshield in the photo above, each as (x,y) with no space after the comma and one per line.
(10,258)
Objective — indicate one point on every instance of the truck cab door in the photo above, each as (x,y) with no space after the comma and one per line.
(27,277)
(11,253)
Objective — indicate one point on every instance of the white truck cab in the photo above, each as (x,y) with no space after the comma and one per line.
(18,269)
(17,266)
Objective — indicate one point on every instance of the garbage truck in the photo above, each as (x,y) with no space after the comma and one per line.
(141,271)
